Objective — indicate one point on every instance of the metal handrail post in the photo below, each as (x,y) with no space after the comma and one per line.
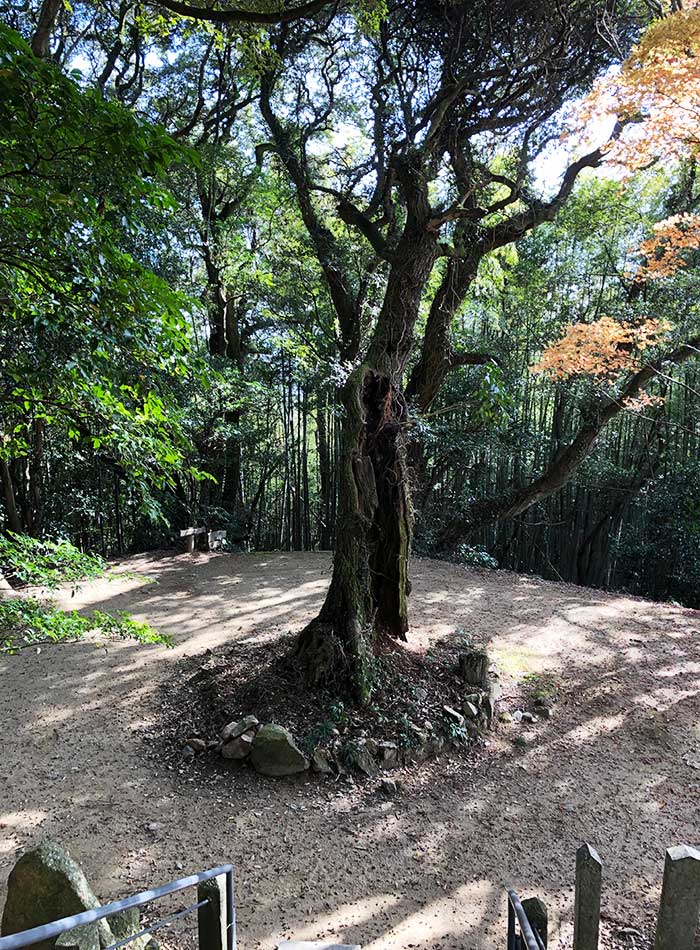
(231,939)
(511,927)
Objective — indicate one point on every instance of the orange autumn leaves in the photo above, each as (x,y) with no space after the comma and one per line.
(655,101)
(655,96)
(601,349)
(607,347)
(668,250)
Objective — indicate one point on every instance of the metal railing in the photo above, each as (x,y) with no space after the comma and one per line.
(521,933)
(54,929)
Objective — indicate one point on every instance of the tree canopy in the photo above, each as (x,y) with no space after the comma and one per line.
(368,275)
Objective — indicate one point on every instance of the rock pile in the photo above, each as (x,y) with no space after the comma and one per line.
(272,750)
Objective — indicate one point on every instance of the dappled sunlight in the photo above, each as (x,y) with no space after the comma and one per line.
(428,925)
(594,728)
(683,669)
(342,921)
(292,274)
(13,826)
(619,759)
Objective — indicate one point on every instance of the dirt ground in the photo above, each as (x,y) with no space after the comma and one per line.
(618,765)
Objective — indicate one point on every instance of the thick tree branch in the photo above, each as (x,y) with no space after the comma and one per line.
(327,250)
(472,359)
(434,363)
(515,227)
(436,357)
(236,15)
(565,464)
(352,215)
(41,41)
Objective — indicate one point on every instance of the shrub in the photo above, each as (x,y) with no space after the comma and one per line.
(27,622)
(27,561)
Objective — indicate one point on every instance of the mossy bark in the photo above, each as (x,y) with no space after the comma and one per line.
(367,602)
(368,597)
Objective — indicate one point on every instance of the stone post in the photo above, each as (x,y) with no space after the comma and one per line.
(211,918)
(589,873)
(536,911)
(474,668)
(680,900)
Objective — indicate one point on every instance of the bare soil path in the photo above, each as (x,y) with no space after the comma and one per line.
(618,765)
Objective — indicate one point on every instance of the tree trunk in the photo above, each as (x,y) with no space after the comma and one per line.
(368,597)
(367,602)
(437,357)
(48,14)
(36,481)
(324,527)
(14,522)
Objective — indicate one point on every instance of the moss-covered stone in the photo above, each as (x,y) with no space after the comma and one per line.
(276,753)
(46,884)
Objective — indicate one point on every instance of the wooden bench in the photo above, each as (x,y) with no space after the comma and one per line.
(214,538)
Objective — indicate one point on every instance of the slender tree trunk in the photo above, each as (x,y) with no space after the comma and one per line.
(36,477)
(325,527)
(231,476)
(14,522)
(118,516)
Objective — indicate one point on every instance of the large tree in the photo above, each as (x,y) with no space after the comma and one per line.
(410,144)
(409,134)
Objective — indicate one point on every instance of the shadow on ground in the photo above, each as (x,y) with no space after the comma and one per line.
(618,765)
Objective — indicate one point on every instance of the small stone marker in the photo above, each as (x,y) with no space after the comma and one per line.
(680,900)
(589,875)
(474,668)
(536,912)
(211,918)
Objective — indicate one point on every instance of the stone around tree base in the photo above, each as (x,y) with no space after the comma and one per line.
(275,752)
